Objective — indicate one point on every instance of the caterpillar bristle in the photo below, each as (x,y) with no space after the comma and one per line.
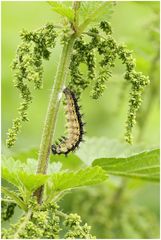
(82,124)
(53,148)
(82,131)
(78,108)
(77,144)
(77,98)
(81,139)
(64,138)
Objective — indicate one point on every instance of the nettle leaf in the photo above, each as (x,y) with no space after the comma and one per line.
(94,148)
(31,166)
(21,179)
(144,165)
(27,164)
(87,8)
(72,162)
(22,156)
(62,9)
(10,163)
(84,177)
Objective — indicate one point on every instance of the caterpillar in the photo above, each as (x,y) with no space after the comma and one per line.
(75,126)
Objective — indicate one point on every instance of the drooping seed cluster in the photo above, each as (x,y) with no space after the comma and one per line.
(75,125)
(27,68)
(108,49)
(45,222)
(76,230)
(138,82)
(86,53)
(83,53)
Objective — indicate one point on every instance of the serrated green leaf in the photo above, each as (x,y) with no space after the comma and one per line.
(31,166)
(101,11)
(71,162)
(62,10)
(87,8)
(94,148)
(9,177)
(84,177)
(144,165)
(27,164)
(21,179)
(23,156)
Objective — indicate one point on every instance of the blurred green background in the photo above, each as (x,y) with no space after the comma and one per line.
(137,25)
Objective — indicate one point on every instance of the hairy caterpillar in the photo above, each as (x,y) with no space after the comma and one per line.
(75,126)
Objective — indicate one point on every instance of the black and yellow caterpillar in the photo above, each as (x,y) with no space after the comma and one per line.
(75,126)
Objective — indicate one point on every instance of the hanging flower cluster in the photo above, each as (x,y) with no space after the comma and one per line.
(45,223)
(108,50)
(76,230)
(27,67)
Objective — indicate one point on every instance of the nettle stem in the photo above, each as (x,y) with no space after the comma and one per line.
(51,116)
(62,71)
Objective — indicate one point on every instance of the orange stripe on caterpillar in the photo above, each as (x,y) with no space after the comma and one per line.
(75,126)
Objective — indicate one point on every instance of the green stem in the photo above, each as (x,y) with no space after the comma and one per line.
(23,224)
(61,214)
(51,116)
(94,34)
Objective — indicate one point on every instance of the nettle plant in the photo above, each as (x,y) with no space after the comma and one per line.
(37,194)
